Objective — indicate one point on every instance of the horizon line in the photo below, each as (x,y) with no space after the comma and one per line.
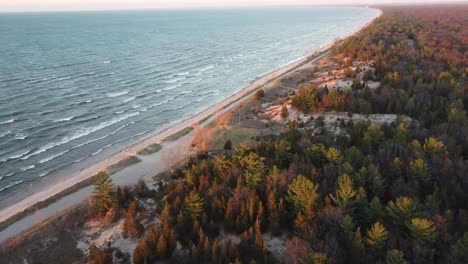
(375,6)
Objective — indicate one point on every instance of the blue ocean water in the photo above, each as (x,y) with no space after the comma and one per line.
(77,85)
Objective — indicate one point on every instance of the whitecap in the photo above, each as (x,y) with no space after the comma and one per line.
(181,74)
(11,185)
(7,121)
(106,62)
(97,152)
(80,133)
(158,91)
(7,175)
(129,99)
(136,106)
(64,119)
(209,67)
(6,133)
(185,92)
(43,174)
(28,168)
(115,94)
(175,80)
(44,160)
(172,87)
(201,99)
(15,156)
(21,136)
(63,78)
(120,111)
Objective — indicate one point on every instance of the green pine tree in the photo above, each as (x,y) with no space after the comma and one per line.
(376,235)
(302,193)
(104,194)
(402,209)
(193,206)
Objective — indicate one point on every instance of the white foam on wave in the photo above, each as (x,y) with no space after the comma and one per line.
(100,138)
(80,133)
(171,87)
(181,74)
(88,73)
(64,119)
(164,102)
(175,80)
(11,185)
(7,121)
(186,92)
(63,78)
(129,99)
(44,160)
(6,175)
(116,94)
(30,167)
(201,99)
(15,156)
(4,134)
(106,62)
(209,67)
(120,112)
(116,142)
(21,136)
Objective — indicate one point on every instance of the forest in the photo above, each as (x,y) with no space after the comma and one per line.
(396,193)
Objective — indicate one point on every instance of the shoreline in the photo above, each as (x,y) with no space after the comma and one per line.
(56,190)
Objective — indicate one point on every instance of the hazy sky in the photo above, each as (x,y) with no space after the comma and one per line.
(41,5)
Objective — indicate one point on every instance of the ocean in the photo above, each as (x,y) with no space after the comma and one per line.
(78,86)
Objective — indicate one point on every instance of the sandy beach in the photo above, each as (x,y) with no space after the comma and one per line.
(150,165)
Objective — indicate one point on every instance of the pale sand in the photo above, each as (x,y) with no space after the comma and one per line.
(150,165)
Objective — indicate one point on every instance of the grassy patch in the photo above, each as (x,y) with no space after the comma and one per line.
(122,164)
(236,135)
(179,134)
(151,149)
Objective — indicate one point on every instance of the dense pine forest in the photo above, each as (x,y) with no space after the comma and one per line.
(396,193)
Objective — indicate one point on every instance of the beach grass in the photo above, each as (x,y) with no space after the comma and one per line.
(204,120)
(122,164)
(237,135)
(151,149)
(179,134)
